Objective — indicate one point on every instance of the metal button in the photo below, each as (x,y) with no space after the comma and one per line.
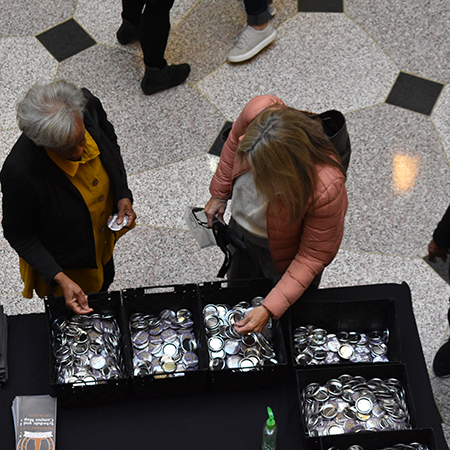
(95,182)
(101,198)
(328,411)
(334,387)
(216,364)
(169,366)
(322,394)
(190,359)
(215,343)
(233,361)
(364,405)
(210,310)
(220,354)
(246,364)
(257,301)
(345,351)
(319,337)
(170,349)
(335,429)
(231,347)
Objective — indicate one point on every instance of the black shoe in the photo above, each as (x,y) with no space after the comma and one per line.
(156,79)
(127,33)
(441,363)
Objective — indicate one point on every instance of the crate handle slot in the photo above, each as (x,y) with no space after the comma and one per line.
(159,289)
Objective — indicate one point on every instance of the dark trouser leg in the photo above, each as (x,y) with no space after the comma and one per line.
(108,274)
(255,263)
(154,30)
(243,267)
(131,17)
(132,10)
(257,12)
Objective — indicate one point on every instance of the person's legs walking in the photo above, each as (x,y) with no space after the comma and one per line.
(149,22)
(257,12)
(153,35)
(131,17)
(154,31)
(257,34)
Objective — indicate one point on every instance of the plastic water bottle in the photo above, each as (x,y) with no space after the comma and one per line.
(269,441)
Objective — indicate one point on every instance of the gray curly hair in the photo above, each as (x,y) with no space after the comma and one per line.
(47,114)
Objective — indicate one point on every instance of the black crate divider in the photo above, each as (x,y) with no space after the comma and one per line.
(361,316)
(378,441)
(231,293)
(102,391)
(152,300)
(324,373)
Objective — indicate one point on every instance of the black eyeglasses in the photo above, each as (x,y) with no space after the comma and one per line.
(199,221)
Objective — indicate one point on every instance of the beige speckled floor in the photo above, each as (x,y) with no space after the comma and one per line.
(399,177)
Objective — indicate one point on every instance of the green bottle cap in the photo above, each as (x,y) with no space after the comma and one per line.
(270,423)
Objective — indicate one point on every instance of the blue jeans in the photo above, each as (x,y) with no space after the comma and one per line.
(257,12)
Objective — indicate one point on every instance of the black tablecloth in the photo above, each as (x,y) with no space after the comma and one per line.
(209,420)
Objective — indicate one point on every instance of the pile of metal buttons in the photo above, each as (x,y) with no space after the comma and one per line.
(315,346)
(87,349)
(351,404)
(163,345)
(412,446)
(229,349)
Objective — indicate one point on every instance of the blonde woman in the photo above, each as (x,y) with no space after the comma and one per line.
(289,202)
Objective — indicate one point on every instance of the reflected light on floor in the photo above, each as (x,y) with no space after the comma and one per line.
(405,171)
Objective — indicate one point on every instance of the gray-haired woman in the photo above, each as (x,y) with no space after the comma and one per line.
(61,182)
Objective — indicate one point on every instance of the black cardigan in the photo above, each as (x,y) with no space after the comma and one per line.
(45,218)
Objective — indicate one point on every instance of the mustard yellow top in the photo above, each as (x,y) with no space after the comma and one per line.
(91,179)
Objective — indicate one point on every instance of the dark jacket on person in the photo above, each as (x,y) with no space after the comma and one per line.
(441,235)
(45,218)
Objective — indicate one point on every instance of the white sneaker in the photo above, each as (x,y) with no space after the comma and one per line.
(251,42)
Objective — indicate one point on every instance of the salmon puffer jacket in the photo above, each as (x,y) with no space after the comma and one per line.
(300,250)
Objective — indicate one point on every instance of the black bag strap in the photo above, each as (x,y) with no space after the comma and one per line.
(225,237)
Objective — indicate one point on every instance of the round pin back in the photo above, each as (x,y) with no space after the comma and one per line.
(335,429)
(345,351)
(114,226)
(364,405)
(97,361)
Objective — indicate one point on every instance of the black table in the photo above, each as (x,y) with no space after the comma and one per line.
(208,420)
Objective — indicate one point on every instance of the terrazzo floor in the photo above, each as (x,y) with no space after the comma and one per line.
(384,64)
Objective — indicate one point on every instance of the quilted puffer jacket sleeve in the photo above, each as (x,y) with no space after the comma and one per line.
(222,182)
(323,228)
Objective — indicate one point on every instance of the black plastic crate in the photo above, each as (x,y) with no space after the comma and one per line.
(231,293)
(362,316)
(101,391)
(322,374)
(379,441)
(153,300)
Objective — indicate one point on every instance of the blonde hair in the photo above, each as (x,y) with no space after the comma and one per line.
(283,147)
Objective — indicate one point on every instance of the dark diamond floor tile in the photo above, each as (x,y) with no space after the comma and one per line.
(327,6)
(414,93)
(216,148)
(440,267)
(65,40)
